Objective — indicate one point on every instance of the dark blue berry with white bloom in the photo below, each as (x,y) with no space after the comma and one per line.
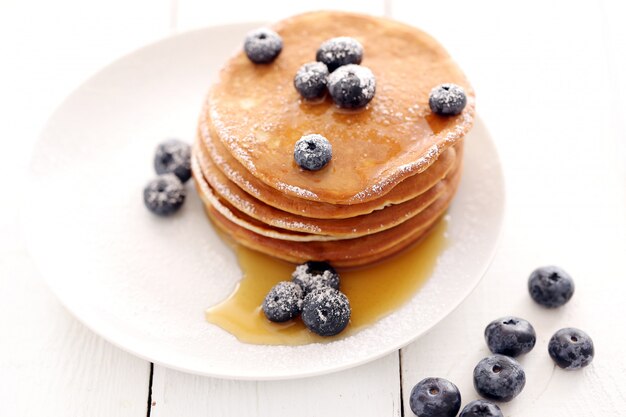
(571,348)
(435,397)
(481,408)
(352,86)
(510,336)
(312,152)
(173,157)
(311,80)
(262,46)
(326,311)
(313,275)
(340,51)
(164,195)
(550,286)
(447,99)
(283,302)
(499,378)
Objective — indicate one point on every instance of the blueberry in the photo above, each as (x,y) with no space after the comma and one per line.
(164,195)
(435,397)
(312,152)
(326,311)
(340,51)
(481,408)
(263,45)
(499,378)
(571,348)
(311,80)
(313,275)
(173,157)
(550,286)
(283,302)
(510,336)
(352,86)
(447,99)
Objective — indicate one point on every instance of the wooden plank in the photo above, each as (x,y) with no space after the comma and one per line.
(369,390)
(543,89)
(53,365)
(50,363)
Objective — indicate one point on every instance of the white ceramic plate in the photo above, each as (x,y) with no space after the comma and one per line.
(144,282)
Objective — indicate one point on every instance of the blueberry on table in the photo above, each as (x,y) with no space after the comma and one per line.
(326,311)
(550,286)
(447,99)
(435,397)
(314,275)
(312,152)
(499,378)
(164,195)
(481,408)
(571,348)
(352,86)
(262,46)
(340,51)
(283,302)
(173,157)
(311,80)
(510,336)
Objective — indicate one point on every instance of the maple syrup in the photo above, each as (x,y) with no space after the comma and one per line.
(374,292)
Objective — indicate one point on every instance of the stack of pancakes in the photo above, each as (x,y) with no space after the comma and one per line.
(395,165)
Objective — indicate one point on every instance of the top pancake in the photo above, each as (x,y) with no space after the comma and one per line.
(258,115)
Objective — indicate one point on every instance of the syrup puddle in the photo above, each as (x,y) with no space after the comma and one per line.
(374,292)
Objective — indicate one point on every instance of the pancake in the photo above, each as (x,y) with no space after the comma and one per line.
(346,252)
(411,187)
(230,201)
(255,112)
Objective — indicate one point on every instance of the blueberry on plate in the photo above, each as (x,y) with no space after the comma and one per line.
(262,46)
(550,286)
(481,408)
(311,80)
(499,378)
(447,99)
(173,157)
(283,302)
(164,195)
(312,152)
(352,86)
(326,311)
(313,275)
(435,397)
(340,51)
(571,348)
(510,336)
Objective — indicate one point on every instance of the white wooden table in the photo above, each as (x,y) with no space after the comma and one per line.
(551,83)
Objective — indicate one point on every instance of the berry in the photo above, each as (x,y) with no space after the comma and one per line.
(283,302)
(340,51)
(447,99)
(499,378)
(481,408)
(326,311)
(352,86)
(263,45)
(312,152)
(571,348)
(510,336)
(435,397)
(164,195)
(173,157)
(311,80)
(550,286)
(313,275)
